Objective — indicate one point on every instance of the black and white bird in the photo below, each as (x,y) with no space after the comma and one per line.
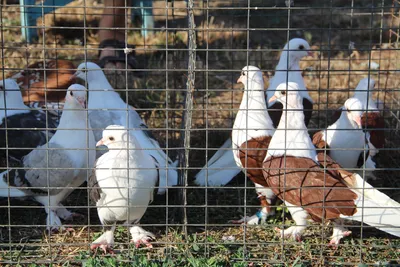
(107,108)
(122,185)
(221,168)
(22,129)
(50,172)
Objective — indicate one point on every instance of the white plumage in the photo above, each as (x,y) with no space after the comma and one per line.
(122,184)
(107,108)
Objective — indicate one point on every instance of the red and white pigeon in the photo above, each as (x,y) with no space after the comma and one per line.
(221,168)
(251,134)
(293,171)
(345,137)
(371,119)
(122,185)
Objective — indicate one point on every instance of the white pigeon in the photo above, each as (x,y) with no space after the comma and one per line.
(221,168)
(288,70)
(52,171)
(107,108)
(344,139)
(292,170)
(122,185)
(251,133)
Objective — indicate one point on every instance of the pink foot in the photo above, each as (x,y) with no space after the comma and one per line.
(104,247)
(145,242)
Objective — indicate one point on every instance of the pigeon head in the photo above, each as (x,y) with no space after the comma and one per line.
(87,71)
(76,96)
(296,49)
(250,74)
(354,111)
(289,95)
(10,94)
(115,136)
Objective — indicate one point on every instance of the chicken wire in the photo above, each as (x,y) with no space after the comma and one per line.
(184,86)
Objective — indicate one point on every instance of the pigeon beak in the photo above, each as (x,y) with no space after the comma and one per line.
(240,80)
(272,99)
(310,53)
(82,102)
(357,119)
(100,143)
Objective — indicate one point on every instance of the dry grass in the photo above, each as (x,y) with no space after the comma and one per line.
(330,75)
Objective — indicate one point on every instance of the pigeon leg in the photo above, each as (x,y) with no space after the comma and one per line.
(66,215)
(54,224)
(299,215)
(105,241)
(141,236)
(339,231)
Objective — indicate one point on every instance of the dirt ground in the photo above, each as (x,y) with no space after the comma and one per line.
(349,44)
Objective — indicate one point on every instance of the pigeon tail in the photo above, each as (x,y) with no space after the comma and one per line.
(220,169)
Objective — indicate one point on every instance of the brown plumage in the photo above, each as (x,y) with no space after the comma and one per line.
(374,121)
(254,151)
(319,142)
(36,82)
(302,182)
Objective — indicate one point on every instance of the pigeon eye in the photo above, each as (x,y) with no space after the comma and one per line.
(283,92)
(1,87)
(111,138)
(71,93)
(243,73)
(301,47)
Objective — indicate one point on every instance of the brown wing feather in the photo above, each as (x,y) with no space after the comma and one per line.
(254,151)
(319,142)
(374,121)
(302,182)
(93,185)
(35,84)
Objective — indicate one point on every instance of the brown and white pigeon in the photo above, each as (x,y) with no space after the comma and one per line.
(221,168)
(292,170)
(251,134)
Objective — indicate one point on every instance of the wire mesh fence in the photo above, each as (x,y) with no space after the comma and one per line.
(177,64)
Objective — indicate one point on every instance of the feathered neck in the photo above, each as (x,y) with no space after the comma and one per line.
(72,113)
(253,113)
(293,116)
(102,94)
(291,136)
(287,62)
(344,122)
(253,97)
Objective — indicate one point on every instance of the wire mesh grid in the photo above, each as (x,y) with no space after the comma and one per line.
(184,87)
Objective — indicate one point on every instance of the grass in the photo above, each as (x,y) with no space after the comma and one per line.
(160,82)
